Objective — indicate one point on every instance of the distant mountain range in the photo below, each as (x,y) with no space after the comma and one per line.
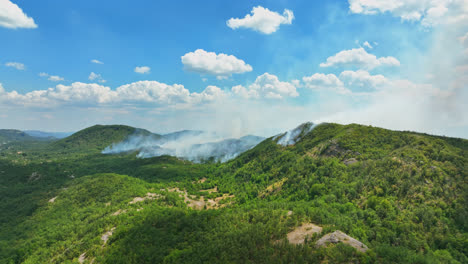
(14,135)
(193,145)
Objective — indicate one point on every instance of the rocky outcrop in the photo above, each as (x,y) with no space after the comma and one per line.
(149,196)
(333,149)
(107,235)
(339,236)
(298,235)
(350,161)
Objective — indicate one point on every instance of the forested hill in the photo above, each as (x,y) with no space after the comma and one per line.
(12,135)
(96,138)
(329,194)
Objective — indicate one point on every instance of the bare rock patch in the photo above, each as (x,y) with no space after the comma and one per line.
(350,161)
(106,235)
(339,236)
(120,211)
(201,204)
(298,235)
(149,196)
(82,258)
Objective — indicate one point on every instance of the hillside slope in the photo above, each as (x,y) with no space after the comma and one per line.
(402,195)
(95,138)
(12,135)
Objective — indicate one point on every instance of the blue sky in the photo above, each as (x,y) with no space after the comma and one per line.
(389,56)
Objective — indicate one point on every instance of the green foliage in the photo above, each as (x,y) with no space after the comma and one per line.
(94,139)
(404,195)
(9,135)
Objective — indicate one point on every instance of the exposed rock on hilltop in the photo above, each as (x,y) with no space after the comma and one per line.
(298,235)
(339,236)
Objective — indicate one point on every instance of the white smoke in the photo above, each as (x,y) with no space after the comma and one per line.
(294,135)
(196,146)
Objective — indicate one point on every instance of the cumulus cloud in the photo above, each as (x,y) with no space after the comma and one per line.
(428,12)
(150,93)
(221,65)
(55,78)
(266,86)
(82,93)
(211,93)
(142,69)
(363,79)
(16,65)
(96,77)
(320,81)
(359,58)
(367,44)
(153,91)
(12,16)
(93,76)
(243,92)
(76,93)
(262,20)
(97,61)
(347,82)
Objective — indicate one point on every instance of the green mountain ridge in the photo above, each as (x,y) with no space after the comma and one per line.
(403,194)
(12,135)
(96,138)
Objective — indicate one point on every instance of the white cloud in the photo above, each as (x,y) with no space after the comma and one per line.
(428,12)
(142,93)
(211,93)
(268,86)
(142,69)
(82,93)
(94,76)
(16,65)
(76,93)
(97,61)
(11,16)
(262,20)
(359,58)
(153,91)
(367,44)
(320,81)
(363,79)
(221,65)
(243,92)
(360,80)
(55,78)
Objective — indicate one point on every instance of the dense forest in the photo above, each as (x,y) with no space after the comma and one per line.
(403,195)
